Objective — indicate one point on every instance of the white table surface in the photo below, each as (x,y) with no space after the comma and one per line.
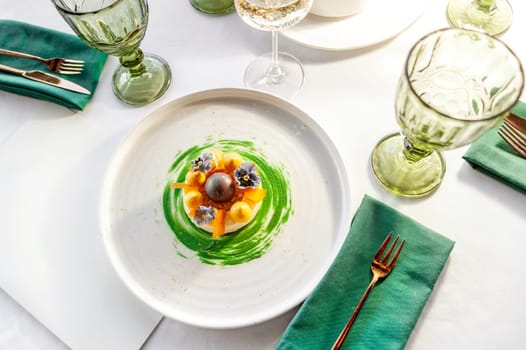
(479,299)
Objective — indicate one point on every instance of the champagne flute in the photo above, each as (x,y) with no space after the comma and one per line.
(117,27)
(490,16)
(456,84)
(275,72)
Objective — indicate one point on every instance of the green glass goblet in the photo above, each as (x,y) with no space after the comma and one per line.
(490,16)
(456,84)
(214,7)
(117,28)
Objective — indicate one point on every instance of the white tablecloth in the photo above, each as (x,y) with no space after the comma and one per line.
(478,301)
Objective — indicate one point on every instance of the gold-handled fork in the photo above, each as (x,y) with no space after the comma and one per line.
(511,132)
(55,64)
(381,268)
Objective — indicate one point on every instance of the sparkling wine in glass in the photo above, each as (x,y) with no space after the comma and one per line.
(117,28)
(275,72)
(490,16)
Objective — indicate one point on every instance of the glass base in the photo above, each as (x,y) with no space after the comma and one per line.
(214,7)
(468,14)
(402,176)
(146,87)
(286,85)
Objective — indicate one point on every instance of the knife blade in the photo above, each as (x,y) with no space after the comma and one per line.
(46,78)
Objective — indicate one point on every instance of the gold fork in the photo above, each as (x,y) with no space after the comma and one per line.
(509,131)
(56,64)
(381,268)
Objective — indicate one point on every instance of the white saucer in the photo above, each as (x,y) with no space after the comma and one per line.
(379,21)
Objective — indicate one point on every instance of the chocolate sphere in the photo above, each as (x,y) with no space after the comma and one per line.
(219,187)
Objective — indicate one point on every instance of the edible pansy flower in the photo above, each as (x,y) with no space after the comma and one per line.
(246,176)
(204,215)
(203,163)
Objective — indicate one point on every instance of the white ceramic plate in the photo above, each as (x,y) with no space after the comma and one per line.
(379,21)
(140,243)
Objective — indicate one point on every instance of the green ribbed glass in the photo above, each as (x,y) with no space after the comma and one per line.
(456,84)
(214,7)
(490,16)
(117,28)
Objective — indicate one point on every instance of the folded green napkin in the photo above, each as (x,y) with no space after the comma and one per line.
(494,157)
(394,305)
(47,43)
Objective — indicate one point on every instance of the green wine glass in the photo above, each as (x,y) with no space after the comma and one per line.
(456,84)
(117,27)
(490,16)
(214,7)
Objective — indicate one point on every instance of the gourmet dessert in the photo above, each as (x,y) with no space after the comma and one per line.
(222,192)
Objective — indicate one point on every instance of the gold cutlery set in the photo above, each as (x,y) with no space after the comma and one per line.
(58,65)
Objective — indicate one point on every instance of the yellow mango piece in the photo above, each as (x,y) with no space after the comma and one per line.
(195,178)
(188,188)
(254,194)
(232,161)
(240,212)
(193,198)
(219,224)
(219,159)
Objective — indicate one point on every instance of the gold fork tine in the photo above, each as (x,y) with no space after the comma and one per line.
(73,65)
(398,251)
(519,135)
(70,72)
(380,270)
(69,60)
(380,251)
(518,122)
(513,137)
(386,257)
(62,69)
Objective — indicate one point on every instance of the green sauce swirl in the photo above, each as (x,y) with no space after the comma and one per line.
(249,242)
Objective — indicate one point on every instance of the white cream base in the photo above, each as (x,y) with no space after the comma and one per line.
(230,225)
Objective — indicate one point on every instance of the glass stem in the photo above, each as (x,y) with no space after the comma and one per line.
(413,153)
(133,61)
(274,72)
(486,6)
(275,50)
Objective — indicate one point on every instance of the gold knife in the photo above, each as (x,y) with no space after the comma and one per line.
(45,78)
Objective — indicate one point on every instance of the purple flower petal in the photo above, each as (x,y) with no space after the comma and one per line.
(203,163)
(246,176)
(204,215)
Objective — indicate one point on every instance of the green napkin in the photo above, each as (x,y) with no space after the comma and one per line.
(48,43)
(394,305)
(494,157)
